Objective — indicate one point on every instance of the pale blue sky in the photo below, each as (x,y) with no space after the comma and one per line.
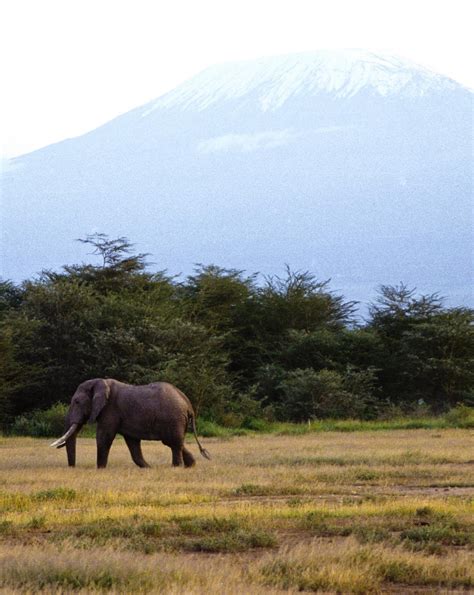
(70,65)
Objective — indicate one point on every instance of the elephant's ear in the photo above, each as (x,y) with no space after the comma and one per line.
(100,395)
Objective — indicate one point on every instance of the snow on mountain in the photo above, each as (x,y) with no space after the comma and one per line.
(276,79)
(355,165)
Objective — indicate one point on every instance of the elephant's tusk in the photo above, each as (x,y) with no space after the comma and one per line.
(62,441)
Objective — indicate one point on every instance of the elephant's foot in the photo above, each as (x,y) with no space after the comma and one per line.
(189,460)
(142,464)
(177,460)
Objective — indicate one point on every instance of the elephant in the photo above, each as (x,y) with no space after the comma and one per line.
(157,411)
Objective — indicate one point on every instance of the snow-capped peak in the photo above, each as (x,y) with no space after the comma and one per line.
(275,79)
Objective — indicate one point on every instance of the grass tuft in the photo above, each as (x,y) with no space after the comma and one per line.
(252,489)
(66,494)
(240,541)
(36,522)
(59,573)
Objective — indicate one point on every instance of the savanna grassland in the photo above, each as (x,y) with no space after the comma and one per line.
(385,511)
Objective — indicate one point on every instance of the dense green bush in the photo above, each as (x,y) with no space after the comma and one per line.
(461,416)
(308,394)
(42,424)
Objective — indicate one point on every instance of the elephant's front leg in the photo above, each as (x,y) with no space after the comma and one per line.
(104,439)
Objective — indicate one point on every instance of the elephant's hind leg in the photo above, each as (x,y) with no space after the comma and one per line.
(135,449)
(189,460)
(177,459)
(177,452)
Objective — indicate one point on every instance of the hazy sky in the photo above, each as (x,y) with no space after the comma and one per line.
(70,65)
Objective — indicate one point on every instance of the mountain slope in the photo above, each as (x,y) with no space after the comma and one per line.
(351,164)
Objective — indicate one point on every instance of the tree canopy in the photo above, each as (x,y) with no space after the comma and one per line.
(283,347)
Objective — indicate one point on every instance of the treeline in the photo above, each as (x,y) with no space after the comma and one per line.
(286,348)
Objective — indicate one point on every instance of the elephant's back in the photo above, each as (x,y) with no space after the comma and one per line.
(162,387)
(171,397)
(166,390)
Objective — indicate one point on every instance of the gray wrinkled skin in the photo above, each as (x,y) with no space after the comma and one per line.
(157,411)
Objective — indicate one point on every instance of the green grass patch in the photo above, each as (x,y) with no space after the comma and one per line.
(107,529)
(36,522)
(6,528)
(425,529)
(66,494)
(204,526)
(366,475)
(11,502)
(440,534)
(240,541)
(350,569)
(371,534)
(304,575)
(414,573)
(55,574)
(50,423)
(210,429)
(320,526)
(252,489)
(458,417)
(212,534)
(220,535)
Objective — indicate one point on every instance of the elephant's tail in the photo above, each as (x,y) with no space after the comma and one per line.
(202,450)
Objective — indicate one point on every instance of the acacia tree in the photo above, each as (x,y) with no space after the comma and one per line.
(112,319)
(427,350)
(299,301)
(119,268)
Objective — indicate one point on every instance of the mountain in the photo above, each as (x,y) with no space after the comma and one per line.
(354,165)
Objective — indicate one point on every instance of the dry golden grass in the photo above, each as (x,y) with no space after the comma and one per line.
(331,512)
